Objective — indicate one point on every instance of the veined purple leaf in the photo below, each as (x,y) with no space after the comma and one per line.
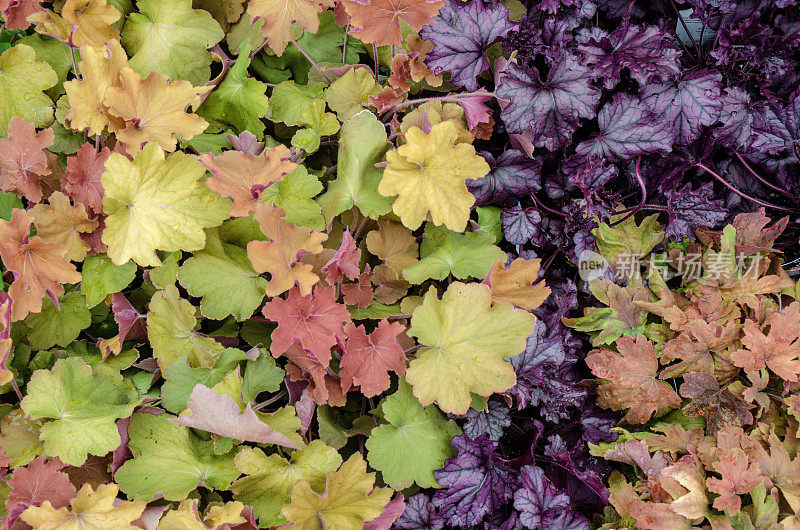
(461,33)
(552,107)
(628,128)
(777,128)
(736,118)
(520,224)
(688,104)
(420,514)
(489,423)
(542,505)
(689,209)
(512,175)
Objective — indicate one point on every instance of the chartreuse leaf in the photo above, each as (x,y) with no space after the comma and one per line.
(270,479)
(53,52)
(22,82)
(362,144)
(261,375)
(239,101)
(489,221)
(171,38)
(169,459)
(627,240)
(348,95)
(84,405)
(180,378)
(223,276)
(348,501)
(19,437)
(412,443)
(289,100)
(316,123)
(170,328)
(458,356)
(100,277)
(443,252)
(90,508)
(165,274)
(54,325)
(157,203)
(295,195)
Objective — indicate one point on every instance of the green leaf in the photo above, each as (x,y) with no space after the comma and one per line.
(289,100)
(414,441)
(101,277)
(59,326)
(489,221)
(307,140)
(295,195)
(171,38)
(84,405)
(223,276)
(165,274)
(329,430)
(375,310)
(170,328)
(443,252)
(261,375)
(56,54)
(362,144)
(270,479)
(180,378)
(22,81)
(239,101)
(8,201)
(618,243)
(325,46)
(347,96)
(765,508)
(169,459)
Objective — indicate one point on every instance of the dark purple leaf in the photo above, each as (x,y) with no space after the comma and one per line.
(688,104)
(542,506)
(689,209)
(489,423)
(512,175)
(550,108)
(477,482)
(520,224)
(736,118)
(461,34)
(627,129)
(777,128)
(646,51)
(420,514)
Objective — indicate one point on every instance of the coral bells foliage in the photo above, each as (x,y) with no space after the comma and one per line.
(312,263)
(704,363)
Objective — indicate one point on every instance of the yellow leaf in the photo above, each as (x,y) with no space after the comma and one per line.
(515,284)
(280,256)
(348,501)
(428,174)
(61,222)
(187,517)
(278,16)
(465,340)
(154,109)
(90,509)
(155,202)
(100,69)
(91,21)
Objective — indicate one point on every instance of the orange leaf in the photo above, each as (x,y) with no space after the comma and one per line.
(39,267)
(515,284)
(778,349)
(243,177)
(304,366)
(360,293)
(279,15)
(82,178)
(739,476)
(344,262)
(23,162)
(16,12)
(630,380)
(280,256)
(62,222)
(379,20)
(368,359)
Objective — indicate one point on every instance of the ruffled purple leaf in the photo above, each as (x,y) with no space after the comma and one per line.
(776,128)
(461,33)
(646,51)
(512,175)
(550,108)
(689,209)
(489,422)
(420,514)
(628,128)
(736,118)
(519,224)
(542,506)
(476,481)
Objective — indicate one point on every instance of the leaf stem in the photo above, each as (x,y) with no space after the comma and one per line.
(375,55)
(308,57)
(540,206)
(686,28)
(759,177)
(451,97)
(739,192)
(344,44)
(74,64)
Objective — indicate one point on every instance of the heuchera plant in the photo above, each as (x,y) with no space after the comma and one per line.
(313,264)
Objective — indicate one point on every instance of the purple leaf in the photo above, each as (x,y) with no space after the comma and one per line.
(520,224)
(687,104)
(490,422)
(627,129)
(542,506)
(550,108)
(461,34)
(512,175)
(777,128)
(689,209)
(420,514)
(646,51)
(736,118)
(477,482)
